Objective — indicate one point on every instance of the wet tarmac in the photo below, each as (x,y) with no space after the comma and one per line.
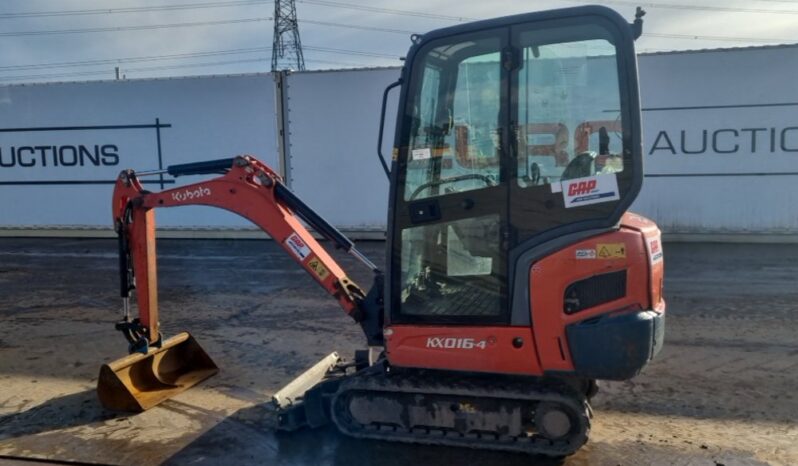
(721,392)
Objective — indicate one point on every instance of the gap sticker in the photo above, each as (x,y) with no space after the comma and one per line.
(297,246)
(590,190)
(655,250)
(318,268)
(611,250)
(585,253)
(421,154)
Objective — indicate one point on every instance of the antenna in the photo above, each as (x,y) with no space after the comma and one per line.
(286,47)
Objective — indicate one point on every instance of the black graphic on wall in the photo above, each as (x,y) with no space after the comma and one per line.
(73,155)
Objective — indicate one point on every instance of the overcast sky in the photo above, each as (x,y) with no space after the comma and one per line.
(236,35)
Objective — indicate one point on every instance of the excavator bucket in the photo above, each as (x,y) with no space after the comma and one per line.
(139,381)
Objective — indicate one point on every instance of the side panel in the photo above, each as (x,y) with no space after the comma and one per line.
(550,277)
(653,240)
(475,349)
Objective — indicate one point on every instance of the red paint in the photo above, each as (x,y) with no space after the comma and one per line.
(240,191)
(425,346)
(545,342)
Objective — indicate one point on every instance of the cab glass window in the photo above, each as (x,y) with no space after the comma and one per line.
(453,269)
(569,121)
(454,143)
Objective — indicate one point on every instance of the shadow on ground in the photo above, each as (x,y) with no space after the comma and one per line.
(73,410)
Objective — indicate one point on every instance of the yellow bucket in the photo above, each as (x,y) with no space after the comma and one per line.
(139,381)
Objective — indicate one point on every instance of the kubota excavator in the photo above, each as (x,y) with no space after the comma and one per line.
(515,277)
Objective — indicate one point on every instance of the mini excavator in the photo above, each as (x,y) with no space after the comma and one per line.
(515,276)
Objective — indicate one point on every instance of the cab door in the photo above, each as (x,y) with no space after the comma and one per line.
(448,260)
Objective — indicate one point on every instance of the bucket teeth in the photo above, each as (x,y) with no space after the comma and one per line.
(138,381)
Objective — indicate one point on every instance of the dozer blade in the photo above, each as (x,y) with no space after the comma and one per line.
(138,381)
(304,401)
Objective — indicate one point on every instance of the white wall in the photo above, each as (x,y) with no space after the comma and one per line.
(747,183)
(209,117)
(333,119)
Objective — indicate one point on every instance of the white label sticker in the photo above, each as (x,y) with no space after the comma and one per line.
(421,154)
(590,190)
(655,250)
(297,246)
(585,253)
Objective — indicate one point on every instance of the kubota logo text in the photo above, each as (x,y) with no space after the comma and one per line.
(190,194)
(582,187)
(456,343)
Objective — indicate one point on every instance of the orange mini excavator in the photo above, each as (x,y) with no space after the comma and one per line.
(515,277)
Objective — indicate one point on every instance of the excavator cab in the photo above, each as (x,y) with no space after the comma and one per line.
(483,97)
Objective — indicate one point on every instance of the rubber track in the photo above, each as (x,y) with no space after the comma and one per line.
(474,388)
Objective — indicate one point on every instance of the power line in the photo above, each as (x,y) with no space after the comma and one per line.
(111,61)
(127,70)
(101,11)
(362,28)
(322,23)
(161,68)
(142,68)
(234,3)
(618,2)
(133,28)
(55,75)
(345,63)
(390,11)
(194,24)
(351,52)
(367,28)
(717,38)
(139,59)
(661,35)
(210,53)
(682,6)
(197,65)
(227,62)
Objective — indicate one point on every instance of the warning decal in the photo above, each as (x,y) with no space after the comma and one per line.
(611,250)
(318,268)
(421,154)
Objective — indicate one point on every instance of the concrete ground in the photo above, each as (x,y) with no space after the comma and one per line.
(721,392)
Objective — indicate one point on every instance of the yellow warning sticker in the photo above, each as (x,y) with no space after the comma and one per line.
(318,268)
(611,250)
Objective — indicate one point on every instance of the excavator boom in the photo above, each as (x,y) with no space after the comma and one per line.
(157,369)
